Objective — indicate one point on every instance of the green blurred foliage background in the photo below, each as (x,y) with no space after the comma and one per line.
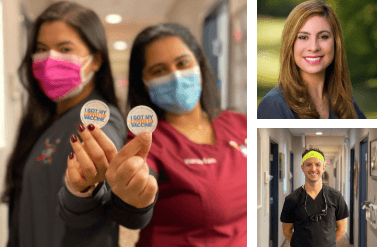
(358,20)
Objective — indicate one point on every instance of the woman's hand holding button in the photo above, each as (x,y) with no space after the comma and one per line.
(128,173)
(88,165)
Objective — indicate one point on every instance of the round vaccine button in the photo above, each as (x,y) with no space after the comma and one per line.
(95,112)
(141,118)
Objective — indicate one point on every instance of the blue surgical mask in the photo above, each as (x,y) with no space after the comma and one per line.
(177,92)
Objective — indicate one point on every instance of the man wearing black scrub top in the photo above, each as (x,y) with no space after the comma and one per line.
(317,213)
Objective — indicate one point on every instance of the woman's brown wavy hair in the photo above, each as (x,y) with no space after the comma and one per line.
(337,81)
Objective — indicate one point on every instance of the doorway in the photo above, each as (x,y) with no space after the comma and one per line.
(274,194)
(215,44)
(363,190)
(352,193)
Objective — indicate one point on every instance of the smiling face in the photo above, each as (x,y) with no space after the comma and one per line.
(314,47)
(313,169)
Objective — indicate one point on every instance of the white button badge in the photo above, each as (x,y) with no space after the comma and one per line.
(95,112)
(141,118)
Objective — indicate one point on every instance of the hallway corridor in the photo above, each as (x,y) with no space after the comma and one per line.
(350,157)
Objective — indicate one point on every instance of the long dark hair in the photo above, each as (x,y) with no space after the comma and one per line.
(137,93)
(40,110)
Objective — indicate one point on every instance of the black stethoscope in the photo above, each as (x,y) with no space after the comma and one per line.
(316,217)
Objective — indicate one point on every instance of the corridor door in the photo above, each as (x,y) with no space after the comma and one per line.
(274,194)
(363,190)
(352,194)
(215,44)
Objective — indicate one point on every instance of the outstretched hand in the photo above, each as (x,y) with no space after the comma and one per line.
(128,173)
(88,164)
(96,159)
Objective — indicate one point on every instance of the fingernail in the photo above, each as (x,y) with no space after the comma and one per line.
(80,128)
(146,135)
(91,127)
(73,138)
(71,156)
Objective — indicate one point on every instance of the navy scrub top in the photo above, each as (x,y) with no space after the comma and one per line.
(273,106)
(314,233)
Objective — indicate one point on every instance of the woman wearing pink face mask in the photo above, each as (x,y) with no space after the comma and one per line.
(66,64)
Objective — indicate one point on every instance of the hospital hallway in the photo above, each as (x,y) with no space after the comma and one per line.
(350,168)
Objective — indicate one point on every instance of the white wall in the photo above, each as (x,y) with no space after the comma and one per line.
(299,177)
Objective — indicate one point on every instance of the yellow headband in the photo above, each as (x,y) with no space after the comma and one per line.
(313,154)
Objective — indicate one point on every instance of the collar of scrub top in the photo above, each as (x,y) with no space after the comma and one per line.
(316,217)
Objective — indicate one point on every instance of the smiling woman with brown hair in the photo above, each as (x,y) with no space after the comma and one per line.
(313,80)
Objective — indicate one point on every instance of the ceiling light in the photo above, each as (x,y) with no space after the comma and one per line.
(113,18)
(120,45)
(318,133)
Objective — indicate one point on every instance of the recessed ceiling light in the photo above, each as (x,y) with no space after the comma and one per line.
(318,133)
(113,18)
(120,45)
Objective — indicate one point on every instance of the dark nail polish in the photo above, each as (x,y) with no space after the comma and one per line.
(80,128)
(91,127)
(71,155)
(73,138)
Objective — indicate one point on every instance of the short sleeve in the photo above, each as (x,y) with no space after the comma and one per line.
(342,209)
(288,212)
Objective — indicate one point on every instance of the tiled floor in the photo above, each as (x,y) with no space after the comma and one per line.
(343,242)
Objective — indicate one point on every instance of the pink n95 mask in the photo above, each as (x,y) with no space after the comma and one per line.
(60,76)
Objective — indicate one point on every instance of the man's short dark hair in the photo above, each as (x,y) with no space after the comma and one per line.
(312,149)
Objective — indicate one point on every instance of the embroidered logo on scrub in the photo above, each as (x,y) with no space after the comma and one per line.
(48,151)
(242,149)
(203,161)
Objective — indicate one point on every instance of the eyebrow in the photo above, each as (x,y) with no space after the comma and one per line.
(59,44)
(323,31)
(160,64)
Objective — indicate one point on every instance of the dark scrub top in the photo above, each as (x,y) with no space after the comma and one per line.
(314,233)
(273,106)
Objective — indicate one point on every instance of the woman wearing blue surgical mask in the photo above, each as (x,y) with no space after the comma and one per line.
(197,155)
(65,65)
